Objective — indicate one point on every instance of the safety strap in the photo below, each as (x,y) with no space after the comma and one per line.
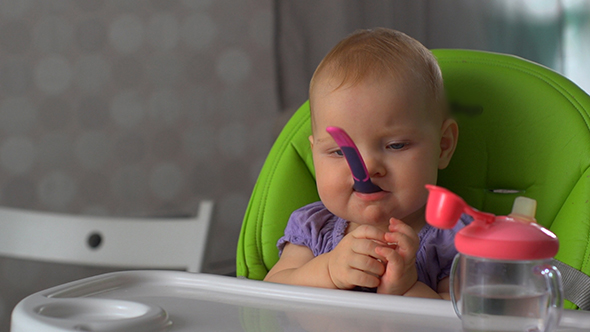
(576,285)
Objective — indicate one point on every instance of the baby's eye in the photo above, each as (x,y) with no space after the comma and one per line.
(337,153)
(397,146)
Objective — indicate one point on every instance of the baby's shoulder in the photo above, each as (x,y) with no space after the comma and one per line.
(315,227)
(314,215)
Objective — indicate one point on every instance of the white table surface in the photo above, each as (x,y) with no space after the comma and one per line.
(181,301)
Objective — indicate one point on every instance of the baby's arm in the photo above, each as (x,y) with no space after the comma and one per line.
(354,262)
(422,290)
(444,288)
(298,266)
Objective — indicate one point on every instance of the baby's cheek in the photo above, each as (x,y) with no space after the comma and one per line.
(330,194)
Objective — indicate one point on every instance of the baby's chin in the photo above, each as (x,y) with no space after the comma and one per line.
(371,215)
(376,215)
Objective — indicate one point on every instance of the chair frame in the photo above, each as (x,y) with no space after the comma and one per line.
(162,243)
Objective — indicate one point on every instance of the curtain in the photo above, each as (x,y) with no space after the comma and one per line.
(555,33)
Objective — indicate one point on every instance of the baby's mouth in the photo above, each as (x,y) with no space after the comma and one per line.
(366,187)
(370,197)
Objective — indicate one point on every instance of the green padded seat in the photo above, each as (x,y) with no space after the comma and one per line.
(523,130)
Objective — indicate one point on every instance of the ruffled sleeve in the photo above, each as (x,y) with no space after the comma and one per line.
(437,251)
(315,227)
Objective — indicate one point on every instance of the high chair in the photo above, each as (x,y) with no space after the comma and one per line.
(524,130)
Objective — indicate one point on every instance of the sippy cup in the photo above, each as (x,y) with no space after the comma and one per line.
(502,278)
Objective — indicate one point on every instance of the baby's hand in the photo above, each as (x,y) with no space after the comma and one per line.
(400,254)
(354,261)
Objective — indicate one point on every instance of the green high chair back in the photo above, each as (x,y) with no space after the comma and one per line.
(524,130)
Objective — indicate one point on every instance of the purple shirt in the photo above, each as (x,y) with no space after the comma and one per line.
(318,229)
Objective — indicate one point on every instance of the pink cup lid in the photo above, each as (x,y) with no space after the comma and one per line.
(503,237)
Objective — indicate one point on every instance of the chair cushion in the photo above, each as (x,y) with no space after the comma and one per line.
(286,183)
(523,130)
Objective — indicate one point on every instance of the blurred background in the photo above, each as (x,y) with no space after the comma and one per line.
(146,107)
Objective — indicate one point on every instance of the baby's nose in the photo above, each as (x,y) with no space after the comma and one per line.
(375,166)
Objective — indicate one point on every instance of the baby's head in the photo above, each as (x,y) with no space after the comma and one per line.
(381,54)
(385,90)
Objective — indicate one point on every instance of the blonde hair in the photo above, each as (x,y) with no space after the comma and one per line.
(380,53)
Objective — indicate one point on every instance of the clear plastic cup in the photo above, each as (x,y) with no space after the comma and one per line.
(504,295)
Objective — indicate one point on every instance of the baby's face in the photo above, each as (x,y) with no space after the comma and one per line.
(398,136)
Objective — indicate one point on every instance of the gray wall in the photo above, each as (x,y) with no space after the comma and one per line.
(132,108)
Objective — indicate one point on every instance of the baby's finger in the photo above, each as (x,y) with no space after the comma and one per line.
(368,264)
(376,253)
(363,279)
(396,225)
(368,232)
(395,261)
(407,246)
(364,247)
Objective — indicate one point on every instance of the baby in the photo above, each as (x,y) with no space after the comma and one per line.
(385,90)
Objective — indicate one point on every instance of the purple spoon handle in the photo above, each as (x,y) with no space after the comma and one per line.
(362,180)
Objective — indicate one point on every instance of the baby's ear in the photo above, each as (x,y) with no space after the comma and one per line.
(310,141)
(448,142)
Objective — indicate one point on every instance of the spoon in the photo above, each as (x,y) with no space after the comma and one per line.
(362,180)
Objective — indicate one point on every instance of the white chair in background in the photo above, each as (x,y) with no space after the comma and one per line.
(119,242)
